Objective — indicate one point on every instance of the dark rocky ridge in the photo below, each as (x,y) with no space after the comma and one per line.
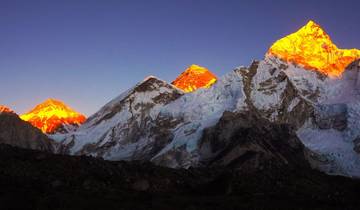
(17,132)
(357,145)
(253,164)
(248,142)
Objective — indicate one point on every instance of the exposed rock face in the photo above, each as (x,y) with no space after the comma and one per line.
(271,93)
(333,116)
(248,142)
(16,132)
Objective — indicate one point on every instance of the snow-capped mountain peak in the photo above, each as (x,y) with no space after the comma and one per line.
(313,48)
(195,77)
(129,125)
(53,116)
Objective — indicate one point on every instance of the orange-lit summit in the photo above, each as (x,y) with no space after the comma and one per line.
(193,78)
(51,115)
(312,47)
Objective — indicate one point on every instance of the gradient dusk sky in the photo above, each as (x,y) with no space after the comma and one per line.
(87,52)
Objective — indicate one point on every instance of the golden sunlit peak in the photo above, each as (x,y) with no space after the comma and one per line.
(5,109)
(51,115)
(193,78)
(312,47)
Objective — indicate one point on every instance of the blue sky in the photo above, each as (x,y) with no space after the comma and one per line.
(88,52)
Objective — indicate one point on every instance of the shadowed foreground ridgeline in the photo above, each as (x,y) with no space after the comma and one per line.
(46,181)
(257,164)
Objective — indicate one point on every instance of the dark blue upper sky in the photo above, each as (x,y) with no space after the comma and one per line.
(87,52)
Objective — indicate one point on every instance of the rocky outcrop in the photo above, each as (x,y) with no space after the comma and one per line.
(331,116)
(271,93)
(357,145)
(16,132)
(249,142)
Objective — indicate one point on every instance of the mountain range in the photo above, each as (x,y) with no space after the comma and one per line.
(297,106)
